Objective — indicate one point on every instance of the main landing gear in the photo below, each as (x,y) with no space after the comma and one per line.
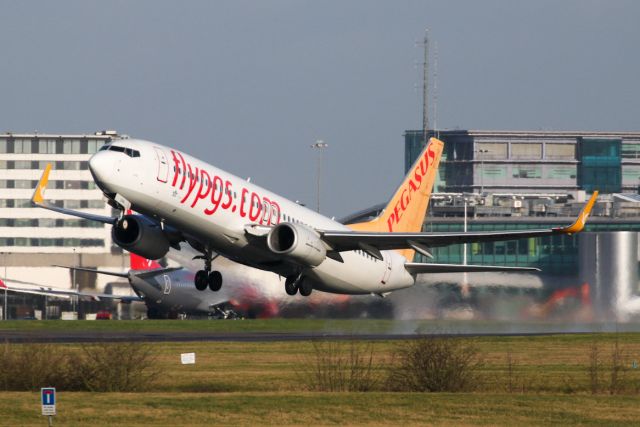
(295,284)
(206,278)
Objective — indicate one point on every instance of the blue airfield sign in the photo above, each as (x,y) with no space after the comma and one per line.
(48,398)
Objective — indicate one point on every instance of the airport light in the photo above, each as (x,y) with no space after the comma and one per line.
(319,145)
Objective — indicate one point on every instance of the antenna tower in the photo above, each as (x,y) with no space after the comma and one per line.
(425,87)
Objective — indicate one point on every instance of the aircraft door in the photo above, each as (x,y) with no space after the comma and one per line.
(163,165)
(167,284)
(387,268)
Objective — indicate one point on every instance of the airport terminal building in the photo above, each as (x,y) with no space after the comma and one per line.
(32,239)
(533,161)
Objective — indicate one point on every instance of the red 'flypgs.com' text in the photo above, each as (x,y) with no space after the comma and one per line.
(220,194)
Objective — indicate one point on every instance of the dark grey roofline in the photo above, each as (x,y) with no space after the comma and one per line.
(525,133)
(54,135)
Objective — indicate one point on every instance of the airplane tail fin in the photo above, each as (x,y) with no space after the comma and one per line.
(407,208)
(140,263)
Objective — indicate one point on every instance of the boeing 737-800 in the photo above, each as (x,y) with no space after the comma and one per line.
(181,198)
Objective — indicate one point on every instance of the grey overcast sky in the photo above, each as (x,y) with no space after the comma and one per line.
(248,85)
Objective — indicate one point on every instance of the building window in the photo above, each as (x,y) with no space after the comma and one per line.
(22,146)
(22,164)
(47,146)
(554,151)
(526,151)
(526,171)
(631,151)
(23,203)
(562,172)
(23,183)
(94,145)
(491,150)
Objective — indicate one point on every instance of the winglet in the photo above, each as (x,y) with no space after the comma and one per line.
(38,194)
(578,225)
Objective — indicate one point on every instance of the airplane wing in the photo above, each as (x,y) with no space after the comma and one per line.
(374,242)
(38,200)
(61,293)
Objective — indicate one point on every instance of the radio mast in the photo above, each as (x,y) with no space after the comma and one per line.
(425,87)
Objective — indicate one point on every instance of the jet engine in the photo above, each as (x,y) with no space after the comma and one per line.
(141,236)
(298,242)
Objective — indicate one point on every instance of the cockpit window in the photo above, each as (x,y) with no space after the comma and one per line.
(128,151)
(132,153)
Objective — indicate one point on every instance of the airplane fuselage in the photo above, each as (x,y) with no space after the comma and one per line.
(220,208)
(173,292)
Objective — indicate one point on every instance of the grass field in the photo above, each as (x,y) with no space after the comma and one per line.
(262,383)
(189,409)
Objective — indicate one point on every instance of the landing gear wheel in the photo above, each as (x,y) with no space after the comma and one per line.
(290,286)
(215,281)
(305,287)
(201,280)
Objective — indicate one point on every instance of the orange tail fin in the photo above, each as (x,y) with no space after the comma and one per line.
(408,206)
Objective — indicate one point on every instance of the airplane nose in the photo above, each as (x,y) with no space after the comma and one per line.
(100,167)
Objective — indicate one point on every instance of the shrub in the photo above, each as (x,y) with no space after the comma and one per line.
(31,366)
(435,364)
(93,367)
(127,366)
(340,366)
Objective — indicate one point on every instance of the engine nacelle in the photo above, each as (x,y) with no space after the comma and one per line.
(298,242)
(141,236)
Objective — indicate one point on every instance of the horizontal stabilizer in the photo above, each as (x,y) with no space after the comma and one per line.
(418,268)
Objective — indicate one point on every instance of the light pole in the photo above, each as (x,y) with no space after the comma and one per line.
(482,152)
(73,285)
(319,145)
(465,282)
(4,310)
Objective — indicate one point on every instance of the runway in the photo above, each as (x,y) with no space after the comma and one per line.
(92,336)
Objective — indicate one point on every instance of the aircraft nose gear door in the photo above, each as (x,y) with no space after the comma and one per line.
(167,285)
(387,270)
(163,166)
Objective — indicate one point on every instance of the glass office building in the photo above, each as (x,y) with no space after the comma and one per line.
(538,173)
(533,162)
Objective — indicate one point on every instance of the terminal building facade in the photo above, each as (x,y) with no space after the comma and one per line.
(535,161)
(32,239)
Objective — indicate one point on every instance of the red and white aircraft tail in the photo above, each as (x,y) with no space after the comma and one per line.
(141,263)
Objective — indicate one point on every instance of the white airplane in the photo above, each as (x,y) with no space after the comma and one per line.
(181,198)
(166,292)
